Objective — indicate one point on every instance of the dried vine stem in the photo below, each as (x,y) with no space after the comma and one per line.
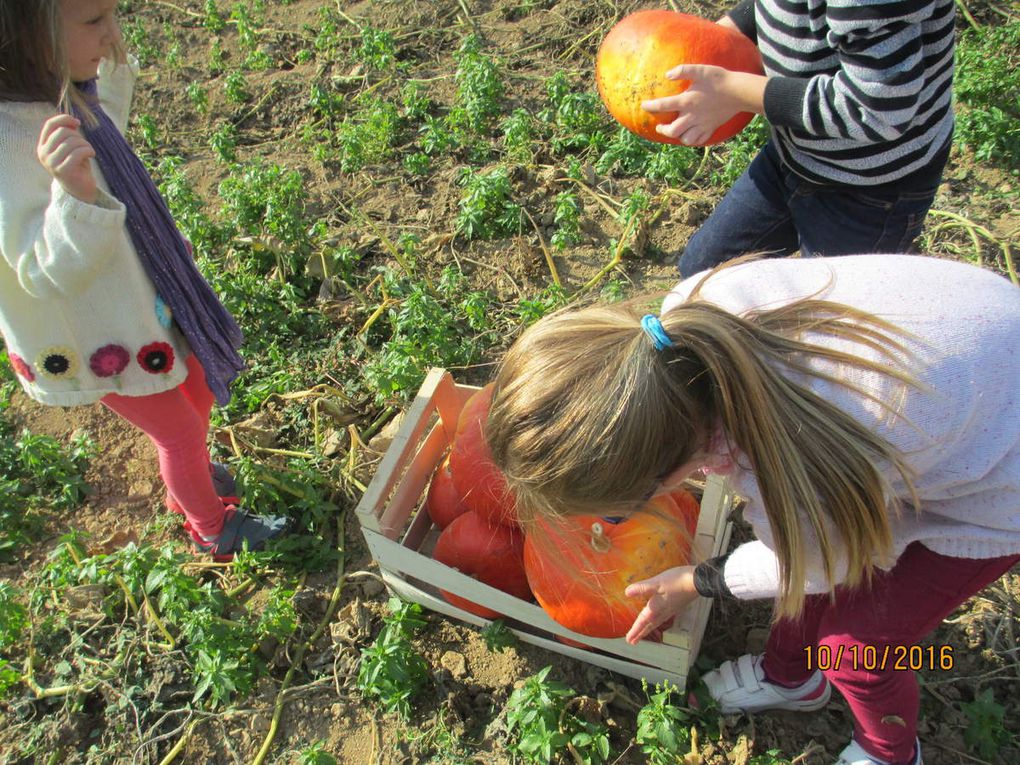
(975,231)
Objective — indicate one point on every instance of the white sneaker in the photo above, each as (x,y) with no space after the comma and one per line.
(741,686)
(855,755)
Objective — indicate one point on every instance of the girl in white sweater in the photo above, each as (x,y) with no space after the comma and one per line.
(99,297)
(865,406)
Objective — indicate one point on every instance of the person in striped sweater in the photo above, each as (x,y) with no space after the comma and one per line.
(858,96)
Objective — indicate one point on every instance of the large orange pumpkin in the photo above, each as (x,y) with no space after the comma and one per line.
(636,54)
(490,552)
(579,567)
(480,483)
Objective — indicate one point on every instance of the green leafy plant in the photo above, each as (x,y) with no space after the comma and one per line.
(391,670)
(486,208)
(368,136)
(542,725)
(415,100)
(447,326)
(223,142)
(663,729)
(518,136)
(198,96)
(567,218)
(987,84)
(149,131)
(213,20)
(315,754)
(377,49)
(37,473)
(236,87)
(985,734)
(480,88)
(577,120)
(498,637)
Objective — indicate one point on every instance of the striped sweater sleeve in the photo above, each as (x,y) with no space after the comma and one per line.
(845,75)
(877,91)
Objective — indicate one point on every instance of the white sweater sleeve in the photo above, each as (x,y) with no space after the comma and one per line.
(752,569)
(116,87)
(55,243)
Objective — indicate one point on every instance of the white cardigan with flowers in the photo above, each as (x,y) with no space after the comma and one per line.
(959,433)
(78,314)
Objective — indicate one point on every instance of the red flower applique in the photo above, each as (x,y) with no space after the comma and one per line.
(21,367)
(109,360)
(156,358)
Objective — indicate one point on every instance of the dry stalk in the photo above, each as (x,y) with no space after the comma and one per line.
(545,250)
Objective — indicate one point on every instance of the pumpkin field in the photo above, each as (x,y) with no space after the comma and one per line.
(374,189)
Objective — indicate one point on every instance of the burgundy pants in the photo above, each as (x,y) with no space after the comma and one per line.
(862,641)
(177,422)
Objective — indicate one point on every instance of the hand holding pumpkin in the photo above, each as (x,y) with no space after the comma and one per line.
(668,594)
(714,96)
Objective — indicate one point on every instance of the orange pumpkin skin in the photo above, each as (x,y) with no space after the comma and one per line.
(581,584)
(636,54)
(492,553)
(443,502)
(480,483)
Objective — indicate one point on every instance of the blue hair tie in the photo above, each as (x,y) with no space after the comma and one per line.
(653,328)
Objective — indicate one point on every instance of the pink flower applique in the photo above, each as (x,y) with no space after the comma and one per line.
(156,358)
(109,360)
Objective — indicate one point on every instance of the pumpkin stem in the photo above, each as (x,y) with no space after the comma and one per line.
(599,541)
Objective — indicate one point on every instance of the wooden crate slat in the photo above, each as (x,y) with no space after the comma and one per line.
(648,672)
(407,492)
(398,454)
(398,559)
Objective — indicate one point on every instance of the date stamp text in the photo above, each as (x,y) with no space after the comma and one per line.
(870,658)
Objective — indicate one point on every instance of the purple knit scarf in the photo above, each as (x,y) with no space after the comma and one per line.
(209,328)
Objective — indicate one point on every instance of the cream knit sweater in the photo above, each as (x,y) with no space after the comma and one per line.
(79,315)
(960,435)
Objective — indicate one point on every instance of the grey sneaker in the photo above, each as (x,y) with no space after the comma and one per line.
(240,527)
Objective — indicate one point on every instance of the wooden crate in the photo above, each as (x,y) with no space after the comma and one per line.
(400,535)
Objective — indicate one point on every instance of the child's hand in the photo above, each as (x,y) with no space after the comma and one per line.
(714,96)
(668,594)
(65,153)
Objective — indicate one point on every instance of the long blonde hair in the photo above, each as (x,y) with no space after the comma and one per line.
(586,412)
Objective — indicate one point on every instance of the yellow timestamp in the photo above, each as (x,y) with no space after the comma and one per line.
(871,658)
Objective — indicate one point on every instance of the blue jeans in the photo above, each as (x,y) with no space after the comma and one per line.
(772,211)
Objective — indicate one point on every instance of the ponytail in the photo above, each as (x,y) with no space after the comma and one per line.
(587,412)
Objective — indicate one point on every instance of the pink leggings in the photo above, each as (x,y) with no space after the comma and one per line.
(903,606)
(177,421)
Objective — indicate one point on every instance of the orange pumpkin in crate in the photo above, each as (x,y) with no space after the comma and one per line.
(636,54)
(579,567)
(480,483)
(490,552)
(443,502)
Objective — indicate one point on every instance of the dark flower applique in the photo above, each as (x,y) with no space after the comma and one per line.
(156,358)
(57,363)
(21,367)
(109,360)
